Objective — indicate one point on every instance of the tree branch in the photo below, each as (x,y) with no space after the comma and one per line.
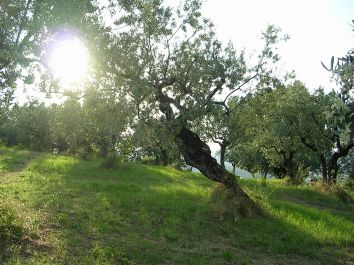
(222,103)
(22,22)
(240,86)
(215,141)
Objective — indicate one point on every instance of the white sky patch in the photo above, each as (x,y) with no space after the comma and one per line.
(318,29)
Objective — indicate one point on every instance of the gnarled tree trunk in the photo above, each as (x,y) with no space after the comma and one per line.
(223,146)
(323,166)
(164,157)
(332,168)
(197,154)
(289,165)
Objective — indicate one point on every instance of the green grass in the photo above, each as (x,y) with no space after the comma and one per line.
(61,210)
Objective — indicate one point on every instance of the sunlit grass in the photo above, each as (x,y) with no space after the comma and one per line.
(62,210)
(320,224)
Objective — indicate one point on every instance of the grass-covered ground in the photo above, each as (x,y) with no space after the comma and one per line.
(61,210)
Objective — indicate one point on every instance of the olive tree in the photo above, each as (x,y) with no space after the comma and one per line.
(169,60)
(330,134)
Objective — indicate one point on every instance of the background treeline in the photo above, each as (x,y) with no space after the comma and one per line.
(283,131)
(87,124)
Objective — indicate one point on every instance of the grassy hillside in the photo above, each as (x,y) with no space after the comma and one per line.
(61,210)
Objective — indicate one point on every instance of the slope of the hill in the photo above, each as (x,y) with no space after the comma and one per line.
(61,210)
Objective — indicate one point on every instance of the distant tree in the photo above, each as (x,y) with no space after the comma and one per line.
(67,127)
(331,132)
(347,165)
(340,116)
(105,118)
(28,125)
(154,138)
(266,132)
(243,152)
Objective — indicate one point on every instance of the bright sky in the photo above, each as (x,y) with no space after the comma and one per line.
(318,29)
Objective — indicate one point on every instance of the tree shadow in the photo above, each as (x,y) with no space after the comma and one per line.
(12,160)
(300,194)
(15,237)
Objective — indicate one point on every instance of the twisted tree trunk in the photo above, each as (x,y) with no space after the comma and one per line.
(223,146)
(164,157)
(332,168)
(323,166)
(197,154)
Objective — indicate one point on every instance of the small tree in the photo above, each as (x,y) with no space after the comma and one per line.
(28,125)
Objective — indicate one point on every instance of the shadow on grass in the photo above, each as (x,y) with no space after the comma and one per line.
(299,194)
(153,215)
(14,160)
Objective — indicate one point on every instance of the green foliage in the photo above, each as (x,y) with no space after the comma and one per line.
(152,139)
(96,125)
(266,135)
(67,129)
(287,131)
(105,118)
(27,125)
(332,132)
(112,161)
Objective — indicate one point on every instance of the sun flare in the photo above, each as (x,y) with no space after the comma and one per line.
(68,60)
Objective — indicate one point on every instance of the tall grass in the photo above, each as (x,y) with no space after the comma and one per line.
(62,210)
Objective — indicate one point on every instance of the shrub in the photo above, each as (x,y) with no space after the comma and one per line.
(110,162)
(222,203)
(333,189)
(113,161)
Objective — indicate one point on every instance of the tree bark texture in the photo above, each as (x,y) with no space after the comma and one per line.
(197,154)
(223,147)
(164,157)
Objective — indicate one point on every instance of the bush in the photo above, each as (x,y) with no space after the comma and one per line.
(333,189)
(349,184)
(110,162)
(83,153)
(222,203)
(293,181)
(113,161)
